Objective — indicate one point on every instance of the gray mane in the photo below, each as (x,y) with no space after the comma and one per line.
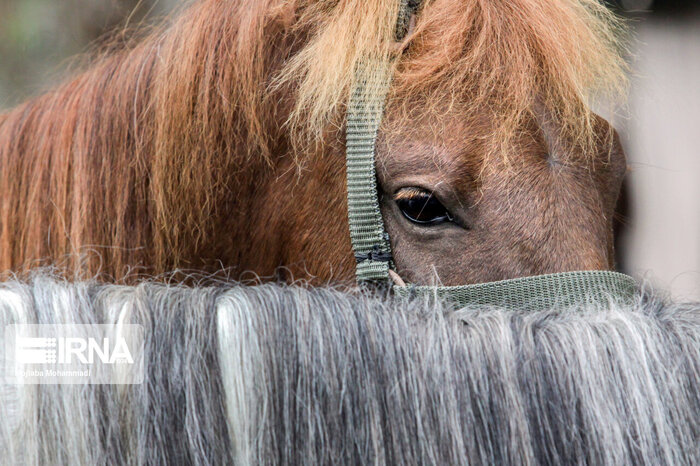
(287,375)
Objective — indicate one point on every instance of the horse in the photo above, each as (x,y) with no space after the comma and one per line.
(214,143)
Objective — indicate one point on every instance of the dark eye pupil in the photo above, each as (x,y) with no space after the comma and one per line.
(426,210)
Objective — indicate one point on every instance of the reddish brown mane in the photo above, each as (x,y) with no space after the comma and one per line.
(151,157)
(132,158)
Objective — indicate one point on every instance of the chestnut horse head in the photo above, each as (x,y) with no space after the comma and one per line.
(216,144)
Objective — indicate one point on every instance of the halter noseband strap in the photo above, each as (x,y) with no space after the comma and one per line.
(370,241)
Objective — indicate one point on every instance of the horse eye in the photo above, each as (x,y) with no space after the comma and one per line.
(424,209)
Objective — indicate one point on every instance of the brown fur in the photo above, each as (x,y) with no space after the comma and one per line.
(215,141)
(538,213)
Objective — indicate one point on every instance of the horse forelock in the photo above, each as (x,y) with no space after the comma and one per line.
(505,57)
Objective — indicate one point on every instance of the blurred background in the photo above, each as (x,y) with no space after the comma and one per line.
(659,227)
(658,231)
(39,38)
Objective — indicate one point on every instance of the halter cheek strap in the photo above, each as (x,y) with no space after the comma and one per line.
(370,241)
(365,110)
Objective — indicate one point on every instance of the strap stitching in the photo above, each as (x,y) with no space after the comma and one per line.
(376,254)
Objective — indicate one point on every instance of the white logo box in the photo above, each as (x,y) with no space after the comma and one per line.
(72,354)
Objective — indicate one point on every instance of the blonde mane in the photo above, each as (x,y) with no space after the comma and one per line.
(503,56)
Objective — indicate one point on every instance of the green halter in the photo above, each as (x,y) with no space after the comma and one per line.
(371,242)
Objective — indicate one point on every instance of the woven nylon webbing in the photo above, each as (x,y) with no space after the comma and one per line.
(406,9)
(365,110)
(370,242)
(557,290)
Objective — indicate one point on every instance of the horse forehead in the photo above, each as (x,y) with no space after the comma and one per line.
(424,163)
(456,148)
(449,147)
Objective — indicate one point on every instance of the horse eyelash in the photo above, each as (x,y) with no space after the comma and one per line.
(411,193)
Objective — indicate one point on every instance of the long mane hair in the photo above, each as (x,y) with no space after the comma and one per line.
(288,375)
(140,155)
